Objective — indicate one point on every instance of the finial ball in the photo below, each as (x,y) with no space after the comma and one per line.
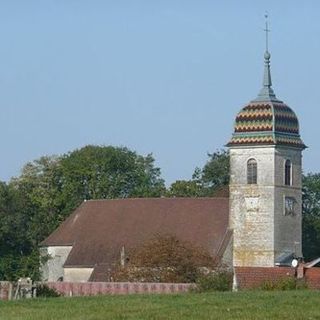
(267,55)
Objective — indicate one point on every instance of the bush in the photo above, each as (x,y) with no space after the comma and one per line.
(284,284)
(43,291)
(165,259)
(215,281)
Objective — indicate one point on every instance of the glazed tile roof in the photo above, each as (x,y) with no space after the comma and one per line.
(270,122)
(266,120)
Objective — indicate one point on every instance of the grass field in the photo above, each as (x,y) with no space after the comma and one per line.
(243,305)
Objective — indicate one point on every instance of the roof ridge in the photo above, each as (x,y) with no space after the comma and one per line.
(154,198)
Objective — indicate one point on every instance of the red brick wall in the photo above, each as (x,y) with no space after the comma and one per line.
(253,277)
(5,290)
(95,288)
(312,277)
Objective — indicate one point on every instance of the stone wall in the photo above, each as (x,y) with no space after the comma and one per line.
(252,207)
(287,228)
(98,288)
(262,233)
(246,278)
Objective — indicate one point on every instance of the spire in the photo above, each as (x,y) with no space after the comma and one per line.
(266,93)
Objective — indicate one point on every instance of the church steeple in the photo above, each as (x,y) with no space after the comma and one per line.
(265,180)
(266,93)
(266,120)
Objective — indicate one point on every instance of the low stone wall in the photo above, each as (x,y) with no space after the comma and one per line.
(104,288)
(246,277)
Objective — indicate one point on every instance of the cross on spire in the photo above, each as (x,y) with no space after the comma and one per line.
(266,93)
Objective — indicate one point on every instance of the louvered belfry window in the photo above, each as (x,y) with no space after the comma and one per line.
(252,171)
(287,173)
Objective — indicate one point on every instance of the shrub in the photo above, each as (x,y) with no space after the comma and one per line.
(43,291)
(284,284)
(220,280)
(165,259)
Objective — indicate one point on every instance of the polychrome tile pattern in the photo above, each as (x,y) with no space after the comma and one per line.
(271,123)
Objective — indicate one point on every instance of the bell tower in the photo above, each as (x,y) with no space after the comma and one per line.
(265,180)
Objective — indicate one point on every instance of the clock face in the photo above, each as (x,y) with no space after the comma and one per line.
(289,206)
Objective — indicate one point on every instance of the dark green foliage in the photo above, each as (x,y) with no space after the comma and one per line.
(311,216)
(206,181)
(184,188)
(43,291)
(48,189)
(215,173)
(220,280)
(288,283)
(108,172)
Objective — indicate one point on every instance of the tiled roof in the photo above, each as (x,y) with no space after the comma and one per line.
(267,123)
(98,229)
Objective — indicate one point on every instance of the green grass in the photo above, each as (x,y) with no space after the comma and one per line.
(243,305)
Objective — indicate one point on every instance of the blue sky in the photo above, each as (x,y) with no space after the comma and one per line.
(162,77)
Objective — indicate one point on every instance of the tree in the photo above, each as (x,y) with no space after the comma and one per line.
(215,173)
(40,192)
(95,172)
(311,216)
(185,188)
(17,255)
(165,259)
(49,188)
(206,182)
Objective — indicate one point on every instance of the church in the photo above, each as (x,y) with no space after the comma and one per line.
(258,225)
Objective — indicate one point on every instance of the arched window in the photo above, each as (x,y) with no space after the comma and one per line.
(252,171)
(287,173)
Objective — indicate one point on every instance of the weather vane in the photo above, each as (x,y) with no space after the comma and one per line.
(267,30)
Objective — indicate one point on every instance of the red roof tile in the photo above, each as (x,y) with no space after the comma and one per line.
(98,229)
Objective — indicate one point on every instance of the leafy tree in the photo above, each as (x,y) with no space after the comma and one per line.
(206,182)
(49,188)
(18,257)
(184,188)
(40,193)
(311,216)
(165,259)
(95,172)
(215,173)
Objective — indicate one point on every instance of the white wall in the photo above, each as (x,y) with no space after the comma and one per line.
(52,270)
(77,274)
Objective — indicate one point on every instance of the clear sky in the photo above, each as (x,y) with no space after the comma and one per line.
(165,77)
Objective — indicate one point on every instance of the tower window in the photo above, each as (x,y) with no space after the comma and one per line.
(287,173)
(252,171)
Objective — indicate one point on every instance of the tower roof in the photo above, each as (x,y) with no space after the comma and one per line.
(266,120)
(266,123)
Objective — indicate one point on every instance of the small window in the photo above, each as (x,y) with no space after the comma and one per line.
(252,171)
(287,173)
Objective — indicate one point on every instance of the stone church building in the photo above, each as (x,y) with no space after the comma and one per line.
(258,225)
